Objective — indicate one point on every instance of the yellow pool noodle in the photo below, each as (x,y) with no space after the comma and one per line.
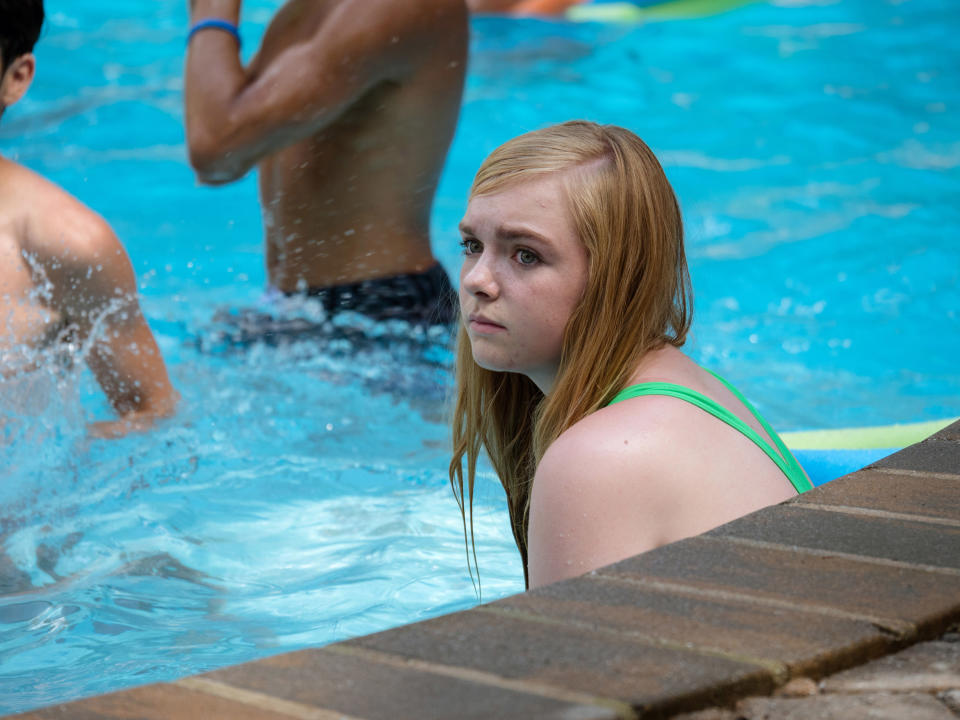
(626,12)
(864,438)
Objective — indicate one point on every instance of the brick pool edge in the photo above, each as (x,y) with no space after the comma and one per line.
(852,571)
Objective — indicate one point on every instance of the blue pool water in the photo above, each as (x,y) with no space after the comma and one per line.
(300,496)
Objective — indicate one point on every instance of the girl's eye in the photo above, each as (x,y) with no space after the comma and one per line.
(526,257)
(471,246)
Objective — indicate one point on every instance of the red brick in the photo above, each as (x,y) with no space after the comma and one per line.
(356,686)
(874,537)
(934,455)
(928,601)
(647,676)
(154,702)
(951,432)
(891,491)
(802,641)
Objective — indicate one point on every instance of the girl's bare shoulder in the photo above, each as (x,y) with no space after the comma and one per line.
(611,486)
(620,443)
(644,423)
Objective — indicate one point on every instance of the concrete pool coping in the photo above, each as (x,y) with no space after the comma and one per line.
(852,571)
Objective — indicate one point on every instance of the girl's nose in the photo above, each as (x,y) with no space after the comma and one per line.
(479,278)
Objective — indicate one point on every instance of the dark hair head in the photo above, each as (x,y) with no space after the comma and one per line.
(20,22)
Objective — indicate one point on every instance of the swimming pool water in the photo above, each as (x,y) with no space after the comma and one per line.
(300,495)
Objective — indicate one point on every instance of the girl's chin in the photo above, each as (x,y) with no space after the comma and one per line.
(491,363)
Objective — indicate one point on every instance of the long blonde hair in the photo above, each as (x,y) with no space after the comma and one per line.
(637,298)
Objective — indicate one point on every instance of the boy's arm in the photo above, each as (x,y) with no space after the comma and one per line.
(235,118)
(92,284)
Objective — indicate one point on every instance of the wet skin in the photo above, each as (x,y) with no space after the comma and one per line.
(347,110)
(65,276)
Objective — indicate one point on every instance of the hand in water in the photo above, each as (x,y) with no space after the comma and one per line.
(131,422)
(113,429)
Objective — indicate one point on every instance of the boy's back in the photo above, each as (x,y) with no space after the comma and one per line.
(65,279)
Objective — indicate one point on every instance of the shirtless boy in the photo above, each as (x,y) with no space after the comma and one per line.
(347,109)
(64,276)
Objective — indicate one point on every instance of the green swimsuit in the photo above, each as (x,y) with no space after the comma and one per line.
(784,459)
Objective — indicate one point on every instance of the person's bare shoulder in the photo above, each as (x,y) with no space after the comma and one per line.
(606,489)
(18,181)
(617,446)
(667,454)
(51,220)
(432,16)
(66,242)
(18,187)
(639,474)
(60,226)
(405,29)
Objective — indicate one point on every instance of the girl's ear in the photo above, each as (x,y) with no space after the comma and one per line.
(16,79)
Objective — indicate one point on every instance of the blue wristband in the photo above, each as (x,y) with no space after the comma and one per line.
(214,24)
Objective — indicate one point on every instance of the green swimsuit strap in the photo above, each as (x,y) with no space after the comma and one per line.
(781,446)
(784,458)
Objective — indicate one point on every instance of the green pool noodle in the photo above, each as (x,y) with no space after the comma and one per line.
(626,12)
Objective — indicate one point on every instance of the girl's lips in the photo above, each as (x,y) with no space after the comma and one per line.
(482,325)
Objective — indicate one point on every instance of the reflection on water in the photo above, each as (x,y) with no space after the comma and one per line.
(41,417)
(412,363)
(299,496)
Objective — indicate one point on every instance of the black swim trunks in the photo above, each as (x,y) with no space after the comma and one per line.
(425,302)
(424,298)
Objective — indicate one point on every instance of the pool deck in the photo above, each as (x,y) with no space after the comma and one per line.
(841,603)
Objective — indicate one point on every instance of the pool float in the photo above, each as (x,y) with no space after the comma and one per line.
(828,454)
(641,10)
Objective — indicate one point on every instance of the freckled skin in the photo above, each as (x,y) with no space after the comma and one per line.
(347,110)
(532,301)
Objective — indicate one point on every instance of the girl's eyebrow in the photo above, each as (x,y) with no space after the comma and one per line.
(507,232)
(514,233)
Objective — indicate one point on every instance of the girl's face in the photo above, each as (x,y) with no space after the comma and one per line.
(524,271)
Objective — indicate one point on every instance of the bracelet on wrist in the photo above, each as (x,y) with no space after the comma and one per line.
(215,24)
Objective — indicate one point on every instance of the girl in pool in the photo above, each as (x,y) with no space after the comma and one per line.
(575,300)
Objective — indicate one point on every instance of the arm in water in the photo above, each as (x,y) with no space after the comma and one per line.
(91,282)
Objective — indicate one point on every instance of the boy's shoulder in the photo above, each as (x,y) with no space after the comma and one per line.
(30,196)
(48,217)
(19,179)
